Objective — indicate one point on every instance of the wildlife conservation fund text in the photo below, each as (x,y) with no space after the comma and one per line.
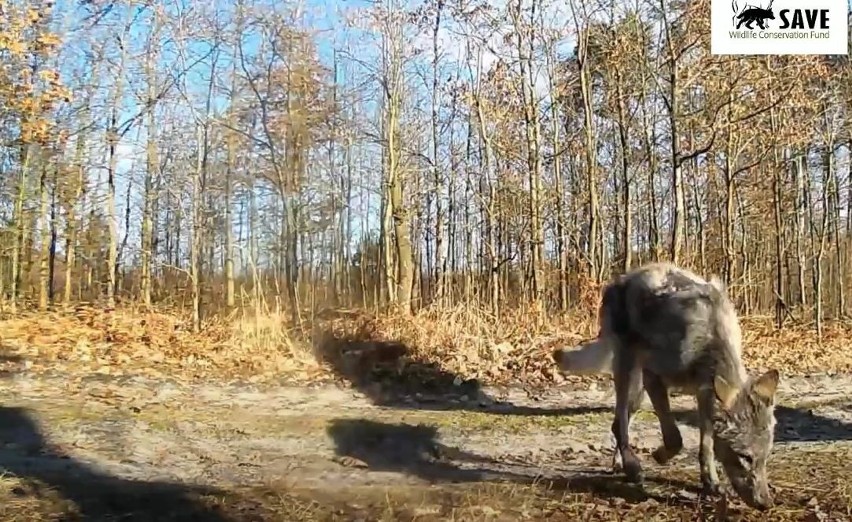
(796,35)
(779,27)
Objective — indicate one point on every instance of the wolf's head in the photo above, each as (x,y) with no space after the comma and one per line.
(743,435)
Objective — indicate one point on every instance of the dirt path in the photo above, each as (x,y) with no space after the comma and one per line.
(106,448)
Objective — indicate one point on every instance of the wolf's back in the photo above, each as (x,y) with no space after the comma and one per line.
(630,308)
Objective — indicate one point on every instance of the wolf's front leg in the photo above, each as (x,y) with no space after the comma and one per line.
(617,465)
(709,477)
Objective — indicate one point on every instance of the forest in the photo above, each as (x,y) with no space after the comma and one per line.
(500,158)
(310,259)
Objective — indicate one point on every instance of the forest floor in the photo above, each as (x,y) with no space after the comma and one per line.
(133,448)
(116,418)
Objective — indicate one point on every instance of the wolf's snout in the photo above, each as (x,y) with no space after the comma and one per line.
(759,499)
(763,501)
(763,504)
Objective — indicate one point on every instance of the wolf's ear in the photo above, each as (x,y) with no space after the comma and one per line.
(725,392)
(766,385)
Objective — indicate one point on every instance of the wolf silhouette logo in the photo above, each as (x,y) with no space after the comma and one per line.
(751,14)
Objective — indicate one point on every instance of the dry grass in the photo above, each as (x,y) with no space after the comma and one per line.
(462,343)
(471,344)
(157,343)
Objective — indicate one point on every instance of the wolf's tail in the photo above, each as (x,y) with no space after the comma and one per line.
(592,358)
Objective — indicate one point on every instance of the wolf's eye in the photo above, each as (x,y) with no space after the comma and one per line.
(747,459)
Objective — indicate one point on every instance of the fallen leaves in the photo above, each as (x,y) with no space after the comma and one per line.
(350,462)
(116,342)
(435,348)
(465,343)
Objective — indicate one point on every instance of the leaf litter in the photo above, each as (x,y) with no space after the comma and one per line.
(166,392)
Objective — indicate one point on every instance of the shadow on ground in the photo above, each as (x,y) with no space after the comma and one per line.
(415,451)
(794,425)
(26,455)
(388,375)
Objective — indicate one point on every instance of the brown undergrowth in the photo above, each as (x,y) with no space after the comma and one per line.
(458,344)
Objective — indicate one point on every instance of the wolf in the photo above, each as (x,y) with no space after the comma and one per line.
(662,327)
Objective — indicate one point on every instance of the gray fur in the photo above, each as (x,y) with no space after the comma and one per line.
(664,327)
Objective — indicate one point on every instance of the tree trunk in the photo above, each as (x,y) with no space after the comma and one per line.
(590,151)
(20,227)
(800,174)
(51,285)
(440,255)
(75,193)
(625,178)
(113,138)
(44,250)
(561,251)
(230,168)
(194,252)
(397,208)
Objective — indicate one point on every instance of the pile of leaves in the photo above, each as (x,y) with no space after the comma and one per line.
(465,343)
(453,345)
(797,349)
(132,340)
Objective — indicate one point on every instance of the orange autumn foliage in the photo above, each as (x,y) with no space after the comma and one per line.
(28,91)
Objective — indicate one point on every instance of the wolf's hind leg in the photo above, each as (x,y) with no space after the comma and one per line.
(628,398)
(659,396)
